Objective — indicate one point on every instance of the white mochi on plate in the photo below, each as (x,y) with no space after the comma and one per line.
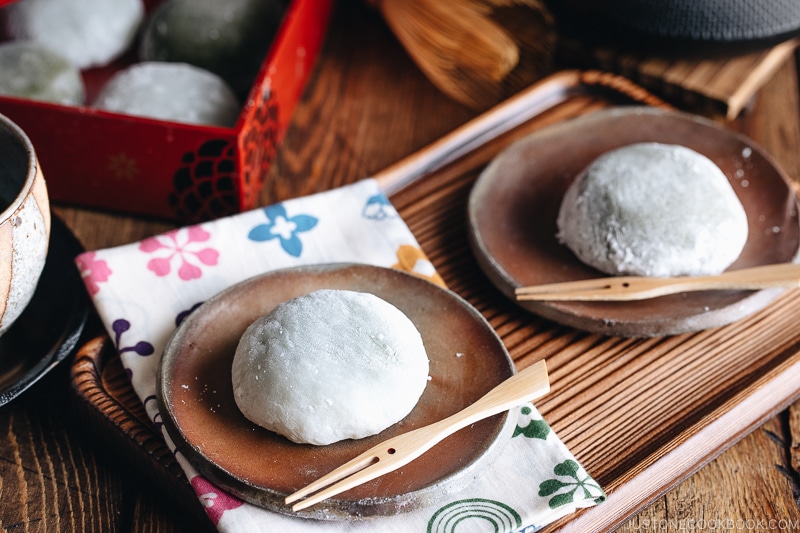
(328,366)
(653,209)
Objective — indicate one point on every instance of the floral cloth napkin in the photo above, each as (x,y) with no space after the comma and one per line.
(143,290)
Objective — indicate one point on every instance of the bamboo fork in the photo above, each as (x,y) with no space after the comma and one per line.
(625,288)
(398,451)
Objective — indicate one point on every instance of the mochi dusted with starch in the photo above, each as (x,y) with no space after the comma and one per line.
(35,72)
(176,92)
(328,366)
(652,209)
(89,33)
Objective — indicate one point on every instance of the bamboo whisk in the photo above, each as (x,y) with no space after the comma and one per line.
(478,52)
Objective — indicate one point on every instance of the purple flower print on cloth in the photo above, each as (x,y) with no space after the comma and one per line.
(214,500)
(282,226)
(182,248)
(93,271)
(120,326)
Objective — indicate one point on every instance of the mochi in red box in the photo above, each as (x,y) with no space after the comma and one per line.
(173,170)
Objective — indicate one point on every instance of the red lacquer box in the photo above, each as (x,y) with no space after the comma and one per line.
(169,170)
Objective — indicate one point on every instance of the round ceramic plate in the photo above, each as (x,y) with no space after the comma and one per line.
(195,396)
(515,201)
(50,327)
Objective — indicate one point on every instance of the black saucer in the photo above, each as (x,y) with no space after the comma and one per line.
(49,329)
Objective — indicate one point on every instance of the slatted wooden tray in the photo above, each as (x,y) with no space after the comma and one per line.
(640,414)
(721,84)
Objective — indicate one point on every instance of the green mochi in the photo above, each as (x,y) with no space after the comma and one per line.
(229,38)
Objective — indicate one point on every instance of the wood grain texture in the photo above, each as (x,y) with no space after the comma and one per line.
(99,380)
(704,82)
(365,108)
(731,493)
(48,482)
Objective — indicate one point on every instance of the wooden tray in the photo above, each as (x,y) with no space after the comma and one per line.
(712,84)
(640,414)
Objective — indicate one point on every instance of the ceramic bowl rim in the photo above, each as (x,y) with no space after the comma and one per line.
(31,173)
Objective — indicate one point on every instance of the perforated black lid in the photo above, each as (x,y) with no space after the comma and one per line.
(709,20)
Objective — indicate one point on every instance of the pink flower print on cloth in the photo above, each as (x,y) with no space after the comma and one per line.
(180,248)
(93,271)
(214,500)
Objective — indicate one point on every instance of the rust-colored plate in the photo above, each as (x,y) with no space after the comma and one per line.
(514,204)
(467,359)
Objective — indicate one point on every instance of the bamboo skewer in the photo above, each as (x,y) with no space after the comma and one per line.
(626,288)
(398,451)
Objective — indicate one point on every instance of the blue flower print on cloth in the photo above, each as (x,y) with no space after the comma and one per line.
(378,207)
(283,227)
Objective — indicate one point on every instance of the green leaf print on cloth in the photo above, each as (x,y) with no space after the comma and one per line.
(536,429)
(565,492)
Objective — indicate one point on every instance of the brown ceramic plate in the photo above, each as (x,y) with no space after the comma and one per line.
(467,359)
(515,201)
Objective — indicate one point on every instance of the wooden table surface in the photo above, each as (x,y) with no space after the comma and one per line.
(366,107)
